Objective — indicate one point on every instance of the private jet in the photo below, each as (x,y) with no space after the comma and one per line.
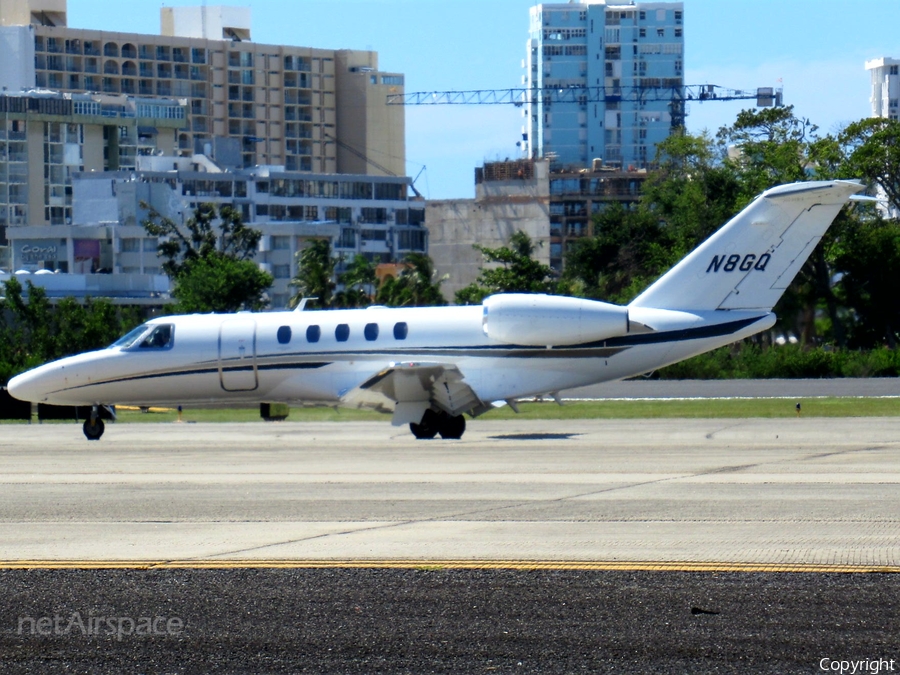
(428,367)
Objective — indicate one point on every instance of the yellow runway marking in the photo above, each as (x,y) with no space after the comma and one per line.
(522,565)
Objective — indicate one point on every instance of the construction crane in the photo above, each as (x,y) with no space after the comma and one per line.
(677,94)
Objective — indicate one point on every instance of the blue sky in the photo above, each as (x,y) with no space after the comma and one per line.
(816,47)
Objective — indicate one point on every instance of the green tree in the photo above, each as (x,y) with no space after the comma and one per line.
(629,250)
(518,272)
(33,331)
(219,283)
(770,146)
(868,260)
(693,191)
(210,261)
(872,152)
(359,283)
(417,285)
(315,274)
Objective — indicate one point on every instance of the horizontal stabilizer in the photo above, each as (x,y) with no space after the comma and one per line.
(751,260)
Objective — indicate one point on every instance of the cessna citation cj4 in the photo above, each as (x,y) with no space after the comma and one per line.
(429,366)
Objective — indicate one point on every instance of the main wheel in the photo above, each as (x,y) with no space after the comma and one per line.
(93,429)
(452,427)
(428,427)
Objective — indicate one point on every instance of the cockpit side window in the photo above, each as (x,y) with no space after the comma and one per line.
(130,338)
(159,338)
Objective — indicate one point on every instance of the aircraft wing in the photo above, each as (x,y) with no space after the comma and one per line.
(412,388)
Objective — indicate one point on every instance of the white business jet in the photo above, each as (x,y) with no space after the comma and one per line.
(429,366)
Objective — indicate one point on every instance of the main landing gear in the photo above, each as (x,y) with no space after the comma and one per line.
(434,423)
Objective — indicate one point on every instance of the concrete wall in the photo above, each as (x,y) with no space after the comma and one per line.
(499,210)
(24,12)
(455,225)
(17,61)
(364,121)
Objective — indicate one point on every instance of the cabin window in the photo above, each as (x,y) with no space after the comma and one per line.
(342,332)
(371,332)
(313,333)
(284,335)
(400,330)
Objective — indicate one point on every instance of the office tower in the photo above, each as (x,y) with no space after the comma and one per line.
(614,66)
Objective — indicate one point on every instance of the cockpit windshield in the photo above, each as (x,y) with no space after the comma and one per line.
(148,336)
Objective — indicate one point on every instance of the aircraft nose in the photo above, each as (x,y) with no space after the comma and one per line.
(24,387)
(34,385)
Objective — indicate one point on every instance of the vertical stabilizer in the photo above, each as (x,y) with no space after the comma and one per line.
(750,261)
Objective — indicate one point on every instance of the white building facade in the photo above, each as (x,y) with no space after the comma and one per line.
(885,99)
(358,214)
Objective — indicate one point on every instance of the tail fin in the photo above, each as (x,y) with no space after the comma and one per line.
(752,259)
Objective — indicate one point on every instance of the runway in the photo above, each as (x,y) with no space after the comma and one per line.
(650,494)
(665,546)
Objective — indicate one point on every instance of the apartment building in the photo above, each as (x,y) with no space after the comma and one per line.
(885,99)
(615,66)
(307,109)
(45,138)
(358,214)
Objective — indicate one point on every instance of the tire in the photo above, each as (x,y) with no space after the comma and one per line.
(428,427)
(94,430)
(452,428)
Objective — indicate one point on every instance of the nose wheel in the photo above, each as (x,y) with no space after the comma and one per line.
(93,425)
(94,428)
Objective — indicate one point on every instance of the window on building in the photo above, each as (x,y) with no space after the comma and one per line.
(373,235)
(281,271)
(281,243)
(369,214)
(348,238)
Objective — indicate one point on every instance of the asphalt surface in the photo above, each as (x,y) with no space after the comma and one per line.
(440,621)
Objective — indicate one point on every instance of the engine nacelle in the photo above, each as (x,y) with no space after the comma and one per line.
(549,320)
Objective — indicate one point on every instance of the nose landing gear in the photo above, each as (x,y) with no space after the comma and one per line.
(93,426)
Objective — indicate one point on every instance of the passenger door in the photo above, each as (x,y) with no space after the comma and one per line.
(237,354)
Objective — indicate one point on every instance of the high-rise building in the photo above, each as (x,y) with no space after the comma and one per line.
(885,98)
(297,107)
(622,61)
